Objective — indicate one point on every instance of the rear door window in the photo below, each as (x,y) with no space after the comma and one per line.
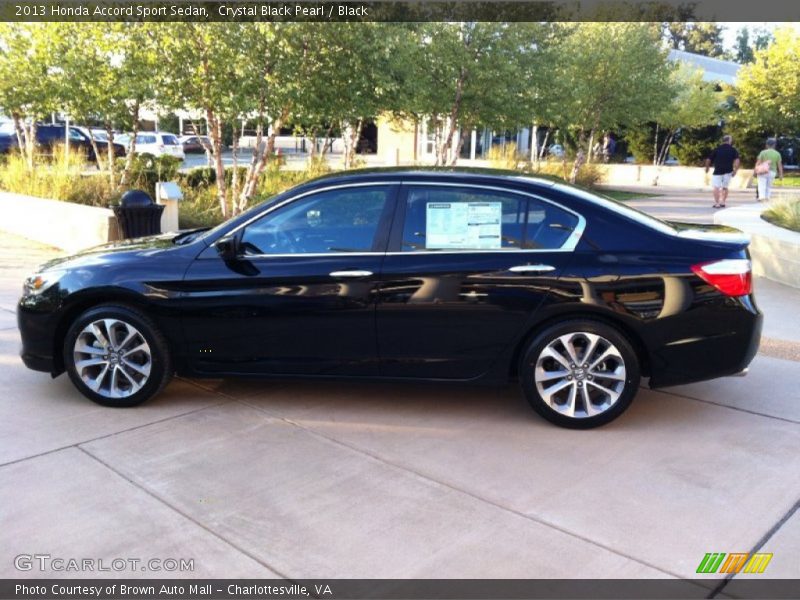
(170,140)
(472,219)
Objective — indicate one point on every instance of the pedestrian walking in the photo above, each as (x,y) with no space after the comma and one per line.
(769,164)
(725,160)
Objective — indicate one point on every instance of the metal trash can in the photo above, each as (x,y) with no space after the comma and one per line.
(138,215)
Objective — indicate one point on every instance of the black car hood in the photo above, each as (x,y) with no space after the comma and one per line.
(118,252)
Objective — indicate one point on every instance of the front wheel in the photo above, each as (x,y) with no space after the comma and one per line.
(116,356)
(580,374)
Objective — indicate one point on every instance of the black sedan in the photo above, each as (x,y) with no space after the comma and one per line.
(447,275)
(48,137)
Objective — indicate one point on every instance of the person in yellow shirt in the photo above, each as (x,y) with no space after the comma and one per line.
(768,164)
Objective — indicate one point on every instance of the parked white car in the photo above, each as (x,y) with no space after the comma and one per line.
(156,144)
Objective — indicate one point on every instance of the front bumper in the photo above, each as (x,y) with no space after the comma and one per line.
(37,329)
(46,364)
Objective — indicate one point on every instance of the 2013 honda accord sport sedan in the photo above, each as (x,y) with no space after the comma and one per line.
(447,275)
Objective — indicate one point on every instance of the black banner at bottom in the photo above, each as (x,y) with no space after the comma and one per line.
(393,589)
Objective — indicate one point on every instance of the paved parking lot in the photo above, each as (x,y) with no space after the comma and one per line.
(294,479)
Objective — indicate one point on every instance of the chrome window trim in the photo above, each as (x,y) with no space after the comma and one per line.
(569,244)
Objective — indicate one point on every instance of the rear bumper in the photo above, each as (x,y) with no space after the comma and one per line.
(710,354)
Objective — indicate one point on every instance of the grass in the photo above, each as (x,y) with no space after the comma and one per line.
(789,180)
(623,195)
(61,178)
(784,214)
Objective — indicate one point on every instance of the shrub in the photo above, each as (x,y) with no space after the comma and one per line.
(61,178)
(784,214)
(589,175)
(503,157)
(146,171)
(694,145)
(199,208)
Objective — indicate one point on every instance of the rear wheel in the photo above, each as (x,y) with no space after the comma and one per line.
(580,374)
(116,356)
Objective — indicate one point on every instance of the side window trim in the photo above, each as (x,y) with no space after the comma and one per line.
(396,241)
(380,240)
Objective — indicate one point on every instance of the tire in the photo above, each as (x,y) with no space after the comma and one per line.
(134,368)
(609,376)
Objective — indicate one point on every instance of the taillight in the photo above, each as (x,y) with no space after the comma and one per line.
(732,277)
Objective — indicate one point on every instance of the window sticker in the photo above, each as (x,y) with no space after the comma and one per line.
(463,225)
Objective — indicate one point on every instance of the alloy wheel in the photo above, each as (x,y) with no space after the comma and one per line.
(580,374)
(112,358)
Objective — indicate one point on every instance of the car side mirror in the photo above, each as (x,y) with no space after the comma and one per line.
(228,247)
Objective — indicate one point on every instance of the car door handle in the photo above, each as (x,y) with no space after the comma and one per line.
(532,269)
(354,274)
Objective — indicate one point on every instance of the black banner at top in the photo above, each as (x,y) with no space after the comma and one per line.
(398,11)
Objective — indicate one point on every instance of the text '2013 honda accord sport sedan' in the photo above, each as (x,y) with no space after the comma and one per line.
(446,275)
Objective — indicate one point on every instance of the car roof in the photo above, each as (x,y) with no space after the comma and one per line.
(462,174)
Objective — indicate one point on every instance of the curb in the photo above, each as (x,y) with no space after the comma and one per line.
(775,251)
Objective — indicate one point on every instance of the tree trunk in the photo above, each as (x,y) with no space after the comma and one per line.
(236,206)
(457,153)
(452,121)
(126,173)
(262,153)
(580,158)
(544,144)
(655,148)
(664,152)
(350,136)
(30,144)
(251,178)
(328,143)
(215,129)
(21,139)
(96,150)
(591,146)
(112,158)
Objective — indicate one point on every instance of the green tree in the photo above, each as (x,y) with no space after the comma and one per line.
(744,49)
(694,103)
(699,38)
(611,76)
(464,74)
(124,67)
(768,90)
(346,76)
(29,78)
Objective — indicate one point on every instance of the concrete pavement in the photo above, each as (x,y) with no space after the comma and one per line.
(299,479)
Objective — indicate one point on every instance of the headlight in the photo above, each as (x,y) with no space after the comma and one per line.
(40,282)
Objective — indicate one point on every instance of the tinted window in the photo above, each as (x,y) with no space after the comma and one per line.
(170,140)
(344,220)
(145,139)
(49,133)
(451,218)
